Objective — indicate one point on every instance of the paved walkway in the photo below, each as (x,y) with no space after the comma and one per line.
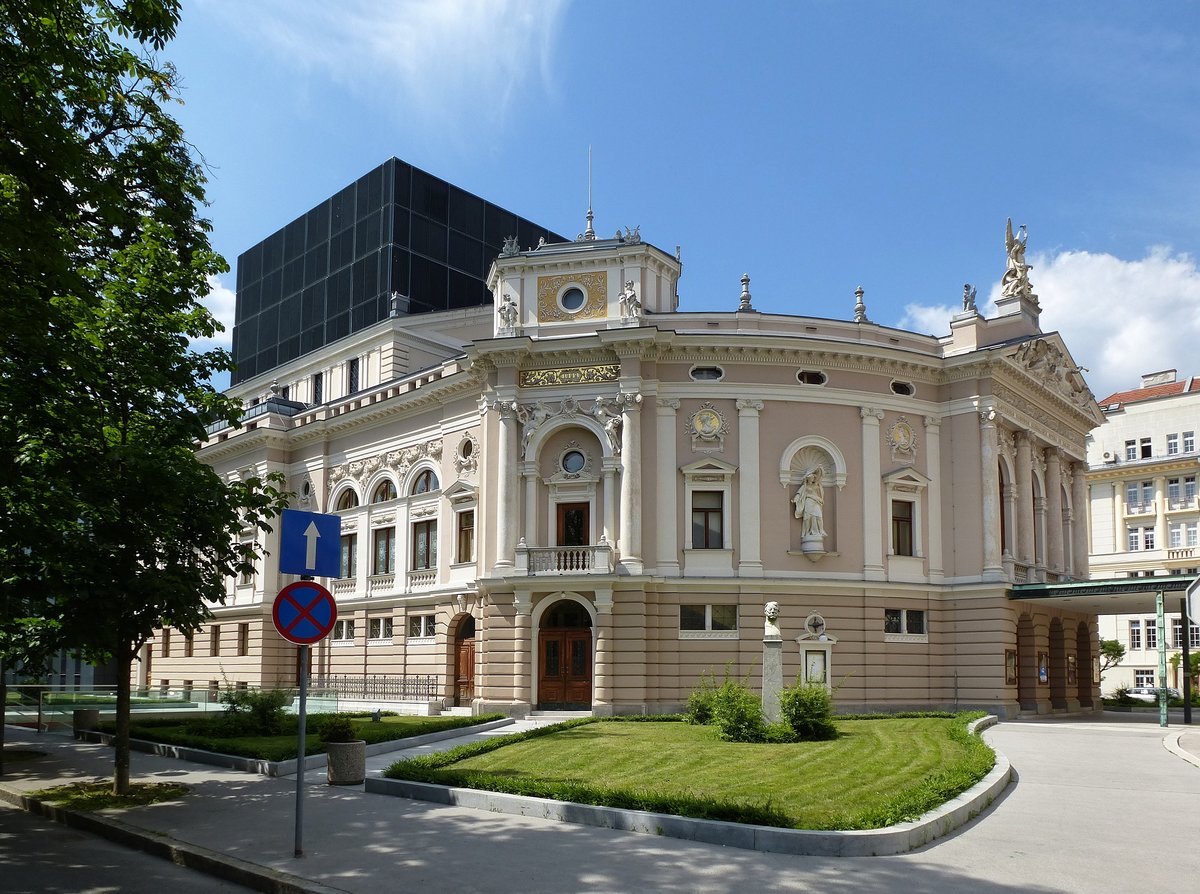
(1089,793)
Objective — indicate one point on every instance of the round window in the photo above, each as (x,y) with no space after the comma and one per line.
(466,449)
(573,299)
(573,462)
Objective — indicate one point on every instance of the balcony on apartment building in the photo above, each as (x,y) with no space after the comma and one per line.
(564,560)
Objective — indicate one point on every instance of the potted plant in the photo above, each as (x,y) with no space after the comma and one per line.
(345,753)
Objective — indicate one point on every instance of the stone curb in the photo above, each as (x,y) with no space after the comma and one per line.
(1171,743)
(231,869)
(897,839)
(288,767)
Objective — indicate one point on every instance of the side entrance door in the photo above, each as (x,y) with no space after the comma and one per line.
(464,662)
(573,524)
(565,662)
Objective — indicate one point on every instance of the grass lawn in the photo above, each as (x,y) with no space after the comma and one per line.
(207,734)
(876,773)
(98,794)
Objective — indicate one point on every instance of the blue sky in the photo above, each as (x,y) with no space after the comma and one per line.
(817,146)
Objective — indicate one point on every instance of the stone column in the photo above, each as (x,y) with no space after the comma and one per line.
(1079,521)
(933,467)
(1039,520)
(1160,512)
(523,658)
(873,514)
(608,477)
(749,490)
(1054,511)
(772,678)
(1024,519)
(667,534)
(989,451)
(631,481)
(506,486)
(603,664)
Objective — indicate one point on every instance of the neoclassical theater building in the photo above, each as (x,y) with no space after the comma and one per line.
(576,494)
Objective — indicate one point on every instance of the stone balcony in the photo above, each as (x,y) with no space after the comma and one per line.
(564,560)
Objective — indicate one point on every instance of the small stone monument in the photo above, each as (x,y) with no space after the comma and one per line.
(772,684)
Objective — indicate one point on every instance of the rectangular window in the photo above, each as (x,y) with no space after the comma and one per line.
(1146,452)
(343,630)
(187,646)
(1193,636)
(466,536)
(1191,532)
(1176,634)
(318,388)
(352,376)
(1131,449)
(708,617)
(246,575)
(1144,678)
(166,643)
(379,628)
(1135,634)
(285,392)
(1172,444)
(385,551)
(214,639)
(420,626)
(1189,489)
(1147,538)
(1174,492)
(1132,495)
(1175,535)
(708,519)
(1151,634)
(1135,539)
(424,545)
(902,527)
(349,561)
(904,621)
(243,639)
(1147,494)
(1189,442)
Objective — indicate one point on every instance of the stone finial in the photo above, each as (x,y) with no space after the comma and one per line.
(744,304)
(860,309)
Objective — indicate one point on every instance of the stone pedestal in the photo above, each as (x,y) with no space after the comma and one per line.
(346,762)
(772,679)
(84,720)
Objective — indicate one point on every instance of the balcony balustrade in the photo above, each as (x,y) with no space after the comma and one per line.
(564,560)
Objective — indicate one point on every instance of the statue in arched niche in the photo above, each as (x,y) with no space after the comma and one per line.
(810,503)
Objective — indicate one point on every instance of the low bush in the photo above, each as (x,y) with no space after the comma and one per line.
(737,713)
(807,708)
(337,728)
(700,703)
(254,712)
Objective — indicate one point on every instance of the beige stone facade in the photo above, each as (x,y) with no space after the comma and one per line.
(584,497)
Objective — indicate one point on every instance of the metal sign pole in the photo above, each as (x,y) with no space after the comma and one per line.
(1162,660)
(1185,625)
(300,752)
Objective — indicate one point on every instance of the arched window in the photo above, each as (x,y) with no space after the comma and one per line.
(425,482)
(347,500)
(386,491)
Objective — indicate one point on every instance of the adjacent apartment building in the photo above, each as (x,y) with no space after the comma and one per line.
(1145,520)
(578,494)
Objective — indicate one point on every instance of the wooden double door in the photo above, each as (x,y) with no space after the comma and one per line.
(565,668)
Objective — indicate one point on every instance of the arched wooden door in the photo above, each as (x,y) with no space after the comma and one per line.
(464,662)
(565,658)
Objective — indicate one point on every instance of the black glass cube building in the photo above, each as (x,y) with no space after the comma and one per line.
(333,271)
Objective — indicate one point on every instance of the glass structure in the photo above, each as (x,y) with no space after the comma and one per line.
(332,271)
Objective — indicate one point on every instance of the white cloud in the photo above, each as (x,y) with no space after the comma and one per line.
(1119,318)
(221,302)
(446,62)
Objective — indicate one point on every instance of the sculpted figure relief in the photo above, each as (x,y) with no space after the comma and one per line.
(1015,283)
(611,421)
(771,624)
(629,305)
(810,503)
(507,312)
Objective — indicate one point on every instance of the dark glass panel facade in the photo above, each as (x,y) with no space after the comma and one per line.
(332,271)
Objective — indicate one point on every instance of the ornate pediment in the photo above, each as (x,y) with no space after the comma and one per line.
(1049,365)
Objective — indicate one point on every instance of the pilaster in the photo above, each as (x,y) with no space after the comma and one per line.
(873,517)
(667,471)
(749,489)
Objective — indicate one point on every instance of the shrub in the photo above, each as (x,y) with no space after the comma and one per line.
(737,713)
(807,708)
(338,728)
(254,712)
(700,703)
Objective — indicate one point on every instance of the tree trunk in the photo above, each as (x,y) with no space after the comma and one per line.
(121,743)
(3,712)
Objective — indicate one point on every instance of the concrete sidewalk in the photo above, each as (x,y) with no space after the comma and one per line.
(242,827)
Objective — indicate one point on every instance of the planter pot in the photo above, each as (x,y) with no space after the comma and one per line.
(346,762)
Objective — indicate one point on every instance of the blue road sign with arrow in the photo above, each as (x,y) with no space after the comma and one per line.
(309,543)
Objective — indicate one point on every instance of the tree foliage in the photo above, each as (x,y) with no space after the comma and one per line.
(1112,653)
(109,526)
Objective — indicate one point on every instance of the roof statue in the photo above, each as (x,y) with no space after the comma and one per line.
(1015,283)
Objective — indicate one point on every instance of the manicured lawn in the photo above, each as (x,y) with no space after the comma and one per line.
(878,772)
(207,734)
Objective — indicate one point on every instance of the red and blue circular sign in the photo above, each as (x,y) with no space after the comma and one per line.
(304,612)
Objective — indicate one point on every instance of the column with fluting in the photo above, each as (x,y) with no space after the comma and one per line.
(989,451)
(631,481)
(873,518)
(506,485)
(667,472)
(749,518)
(1054,511)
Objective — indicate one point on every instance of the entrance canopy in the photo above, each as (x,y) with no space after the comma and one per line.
(1119,596)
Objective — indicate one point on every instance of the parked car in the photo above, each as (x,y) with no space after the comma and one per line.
(1150,693)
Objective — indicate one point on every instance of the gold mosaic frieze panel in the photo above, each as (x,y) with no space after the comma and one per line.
(594,285)
(572,375)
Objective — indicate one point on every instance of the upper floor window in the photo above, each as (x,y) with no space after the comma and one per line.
(166,643)
(422,626)
(708,530)
(1189,442)
(385,551)
(1151,634)
(349,558)
(425,482)
(902,527)
(1141,538)
(348,500)
(352,375)
(811,377)
(1131,450)
(1135,634)
(214,640)
(343,630)
(1144,449)
(386,491)
(379,628)
(707,373)
(318,388)
(466,536)
(1172,444)
(904,620)
(905,388)
(424,545)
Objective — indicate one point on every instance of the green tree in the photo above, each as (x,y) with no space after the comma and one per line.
(109,526)
(1112,653)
